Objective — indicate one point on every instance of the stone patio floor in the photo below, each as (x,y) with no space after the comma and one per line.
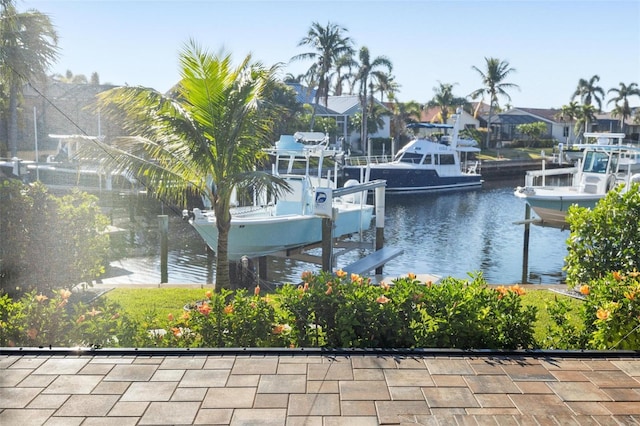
(318,389)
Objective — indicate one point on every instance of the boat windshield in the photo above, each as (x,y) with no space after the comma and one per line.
(410,157)
(595,162)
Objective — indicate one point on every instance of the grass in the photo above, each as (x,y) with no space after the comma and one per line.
(512,154)
(143,303)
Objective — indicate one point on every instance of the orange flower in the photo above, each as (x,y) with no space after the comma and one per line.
(384,286)
(63,303)
(585,289)
(355,278)
(93,312)
(340,273)
(502,290)
(517,290)
(208,294)
(80,319)
(65,294)
(307,275)
(228,309)
(277,329)
(411,276)
(256,290)
(329,290)
(41,298)
(630,295)
(177,331)
(205,309)
(603,314)
(32,333)
(185,316)
(115,316)
(170,317)
(634,273)
(617,276)
(383,299)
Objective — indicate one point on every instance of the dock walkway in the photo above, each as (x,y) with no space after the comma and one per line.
(241,387)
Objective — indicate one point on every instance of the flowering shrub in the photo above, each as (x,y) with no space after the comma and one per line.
(610,315)
(348,311)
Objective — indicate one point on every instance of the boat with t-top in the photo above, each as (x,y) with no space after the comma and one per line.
(294,219)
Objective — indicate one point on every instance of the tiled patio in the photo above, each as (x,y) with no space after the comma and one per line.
(280,388)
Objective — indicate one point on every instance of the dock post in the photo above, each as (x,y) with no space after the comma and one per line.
(327,242)
(525,248)
(163,223)
(379,202)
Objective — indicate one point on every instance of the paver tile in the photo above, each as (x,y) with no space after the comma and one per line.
(24,417)
(588,408)
(149,391)
(494,400)
(406,393)
(167,375)
(113,360)
(11,378)
(622,408)
(274,384)
(487,368)
(534,387)
(170,413)
(388,412)
(448,380)
(229,398)
(552,364)
(135,373)
(578,391)
(17,397)
(70,384)
(449,366)
(271,400)
(87,405)
(623,394)
(612,379)
(534,372)
(358,408)
(243,380)
(449,397)
(364,390)
(48,401)
(183,363)
(261,416)
(92,368)
(62,366)
(36,381)
(491,384)
(368,374)
(219,363)
(322,386)
(351,421)
(600,364)
(412,363)
(333,371)
(64,421)
(110,421)
(374,362)
(7,361)
(207,416)
(111,388)
(30,363)
(284,368)
(188,394)
(569,376)
(540,405)
(632,368)
(307,421)
(204,378)
(129,408)
(405,377)
(314,405)
(255,366)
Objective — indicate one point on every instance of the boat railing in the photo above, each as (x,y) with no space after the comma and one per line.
(363,160)
(564,176)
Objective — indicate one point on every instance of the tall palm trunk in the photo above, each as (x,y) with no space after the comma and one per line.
(12,124)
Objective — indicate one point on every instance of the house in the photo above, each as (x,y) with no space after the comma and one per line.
(467,121)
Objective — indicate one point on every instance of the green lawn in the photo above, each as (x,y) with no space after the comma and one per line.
(158,303)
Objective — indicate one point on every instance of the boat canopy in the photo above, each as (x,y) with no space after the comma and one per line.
(423,125)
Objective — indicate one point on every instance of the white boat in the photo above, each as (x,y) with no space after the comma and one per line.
(575,152)
(295,218)
(601,168)
(427,163)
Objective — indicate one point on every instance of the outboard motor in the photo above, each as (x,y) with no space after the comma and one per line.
(187,215)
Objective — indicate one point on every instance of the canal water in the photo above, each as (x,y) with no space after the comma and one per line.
(443,234)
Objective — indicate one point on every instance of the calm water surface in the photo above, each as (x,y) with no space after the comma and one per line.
(447,234)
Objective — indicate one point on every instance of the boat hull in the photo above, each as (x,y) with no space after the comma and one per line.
(552,204)
(414,180)
(259,234)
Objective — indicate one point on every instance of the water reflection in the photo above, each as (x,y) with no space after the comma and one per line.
(448,234)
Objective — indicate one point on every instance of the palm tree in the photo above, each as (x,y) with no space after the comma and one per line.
(445,100)
(402,113)
(588,92)
(623,110)
(586,114)
(208,129)
(493,78)
(330,44)
(28,45)
(344,62)
(388,85)
(369,72)
(569,113)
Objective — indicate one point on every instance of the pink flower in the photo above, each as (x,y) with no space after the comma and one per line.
(383,299)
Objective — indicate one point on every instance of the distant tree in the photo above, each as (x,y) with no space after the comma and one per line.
(403,113)
(586,114)
(95,78)
(370,70)
(28,45)
(386,85)
(210,128)
(621,101)
(494,85)
(588,91)
(445,100)
(533,131)
(569,113)
(344,73)
(330,43)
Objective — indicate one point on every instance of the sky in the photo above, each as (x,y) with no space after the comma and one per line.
(551,45)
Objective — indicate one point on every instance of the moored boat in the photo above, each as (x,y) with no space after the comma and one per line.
(431,162)
(295,218)
(600,170)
